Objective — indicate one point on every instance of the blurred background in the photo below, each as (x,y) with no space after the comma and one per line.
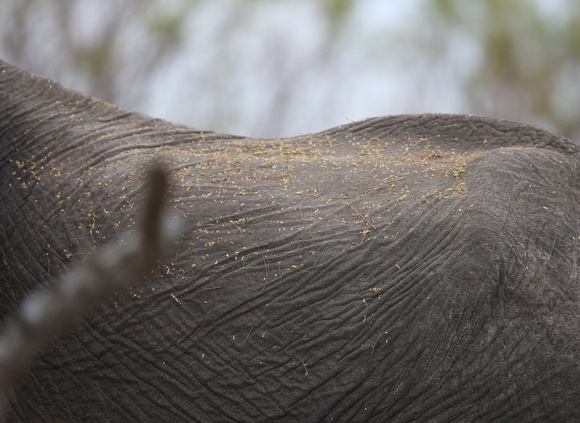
(275,68)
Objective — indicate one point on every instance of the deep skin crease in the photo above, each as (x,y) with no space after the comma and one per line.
(403,268)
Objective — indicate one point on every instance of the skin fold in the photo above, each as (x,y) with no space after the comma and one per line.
(402,268)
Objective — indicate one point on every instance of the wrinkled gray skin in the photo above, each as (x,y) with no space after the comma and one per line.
(405,268)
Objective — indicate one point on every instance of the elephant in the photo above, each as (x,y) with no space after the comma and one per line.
(402,268)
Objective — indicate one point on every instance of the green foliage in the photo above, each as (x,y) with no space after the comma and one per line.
(98,59)
(95,58)
(166,24)
(527,59)
(337,10)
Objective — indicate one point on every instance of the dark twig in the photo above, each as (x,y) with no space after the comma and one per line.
(359,213)
(48,311)
(267,275)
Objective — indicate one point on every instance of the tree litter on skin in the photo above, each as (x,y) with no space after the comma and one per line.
(279,254)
